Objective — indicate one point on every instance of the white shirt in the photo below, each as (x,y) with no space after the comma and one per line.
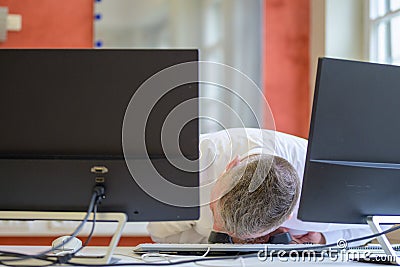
(220,148)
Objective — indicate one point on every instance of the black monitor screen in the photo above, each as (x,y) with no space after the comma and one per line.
(62,112)
(353,158)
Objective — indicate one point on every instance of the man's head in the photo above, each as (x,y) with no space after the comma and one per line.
(247,214)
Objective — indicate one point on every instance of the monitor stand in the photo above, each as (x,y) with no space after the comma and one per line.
(374,223)
(120,218)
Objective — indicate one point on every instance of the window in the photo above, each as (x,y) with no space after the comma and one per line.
(225,31)
(384,31)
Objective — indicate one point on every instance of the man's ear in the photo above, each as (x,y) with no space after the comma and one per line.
(233,163)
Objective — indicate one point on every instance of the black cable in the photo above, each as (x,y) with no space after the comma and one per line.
(374,235)
(63,259)
(230,257)
(98,193)
(240,256)
(43,258)
(351,240)
(168,263)
(89,237)
(77,230)
(22,265)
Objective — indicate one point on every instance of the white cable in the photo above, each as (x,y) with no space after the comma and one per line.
(205,254)
(159,257)
(221,264)
(242,263)
(129,256)
(147,257)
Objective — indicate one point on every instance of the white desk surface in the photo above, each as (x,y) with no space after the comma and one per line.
(126,256)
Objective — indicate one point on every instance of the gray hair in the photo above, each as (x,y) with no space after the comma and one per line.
(246,212)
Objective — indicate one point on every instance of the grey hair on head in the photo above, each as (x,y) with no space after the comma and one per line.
(247,212)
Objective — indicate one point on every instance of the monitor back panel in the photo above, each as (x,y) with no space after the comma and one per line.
(353,159)
(62,112)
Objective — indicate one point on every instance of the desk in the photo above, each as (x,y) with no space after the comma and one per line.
(126,256)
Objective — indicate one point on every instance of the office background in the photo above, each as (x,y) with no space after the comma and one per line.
(275,42)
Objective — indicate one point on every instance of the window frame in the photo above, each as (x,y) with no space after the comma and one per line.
(372,32)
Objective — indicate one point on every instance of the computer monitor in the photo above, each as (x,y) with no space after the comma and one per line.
(62,113)
(353,160)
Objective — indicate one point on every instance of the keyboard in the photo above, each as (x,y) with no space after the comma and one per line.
(242,249)
(218,249)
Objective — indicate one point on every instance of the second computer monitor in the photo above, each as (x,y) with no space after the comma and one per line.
(353,160)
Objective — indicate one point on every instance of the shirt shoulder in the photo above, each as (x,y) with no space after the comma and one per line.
(293,149)
(219,148)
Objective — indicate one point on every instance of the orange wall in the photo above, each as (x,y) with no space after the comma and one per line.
(286,63)
(51,23)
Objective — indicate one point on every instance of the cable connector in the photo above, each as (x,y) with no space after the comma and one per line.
(100,190)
